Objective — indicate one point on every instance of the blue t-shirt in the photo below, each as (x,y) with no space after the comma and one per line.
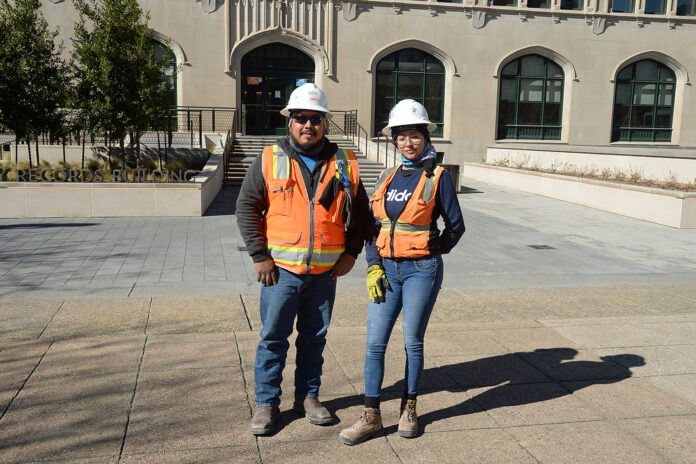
(308,161)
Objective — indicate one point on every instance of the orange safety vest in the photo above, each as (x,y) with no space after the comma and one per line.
(302,236)
(408,235)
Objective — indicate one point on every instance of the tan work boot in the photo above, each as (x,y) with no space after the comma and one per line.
(369,425)
(263,422)
(313,410)
(408,423)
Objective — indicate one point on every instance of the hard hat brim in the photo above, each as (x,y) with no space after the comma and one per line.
(286,111)
(388,129)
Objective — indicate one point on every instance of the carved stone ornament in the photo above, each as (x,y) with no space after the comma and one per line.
(599,25)
(479,19)
(209,6)
(350,11)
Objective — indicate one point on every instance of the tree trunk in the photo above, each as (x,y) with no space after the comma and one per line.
(29,151)
(64,150)
(123,153)
(16,149)
(83,151)
(159,151)
(38,161)
(107,141)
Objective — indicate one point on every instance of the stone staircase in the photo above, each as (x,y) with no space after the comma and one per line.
(246,148)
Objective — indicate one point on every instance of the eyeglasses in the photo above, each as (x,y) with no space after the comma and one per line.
(405,139)
(302,119)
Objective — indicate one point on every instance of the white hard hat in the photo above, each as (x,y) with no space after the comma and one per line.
(408,113)
(307,97)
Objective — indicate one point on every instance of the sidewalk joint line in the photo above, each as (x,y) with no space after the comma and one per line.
(246,313)
(52,317)
(246,390)
(147,322)
(130,406)
(7,408)
(131,290)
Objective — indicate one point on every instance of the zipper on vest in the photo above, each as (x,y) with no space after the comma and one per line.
(311,224)
(391,238)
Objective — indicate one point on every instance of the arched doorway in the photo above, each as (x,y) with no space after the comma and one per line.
(269,75)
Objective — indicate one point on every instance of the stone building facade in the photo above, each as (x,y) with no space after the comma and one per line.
(599,76)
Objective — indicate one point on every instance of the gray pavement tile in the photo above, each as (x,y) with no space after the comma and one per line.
(200,355)
(658,360)
(481,446)
(529,339)
(92,356)
(460,343)
(630,398)
(48,388)
(189,386)
(475,371)
(196,314)
(181,427)
(598,321)
(376,451)
(190,337)
(673,437)
(46,433)
(627,334)
(584,442)
(237,454)
(568,364)
(475,325)
(683,386)
(20,320)
(528,404)
(99,316)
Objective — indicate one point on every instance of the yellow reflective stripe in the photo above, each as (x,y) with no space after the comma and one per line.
(281,248)
(281,164)
(328,252)
(346,165)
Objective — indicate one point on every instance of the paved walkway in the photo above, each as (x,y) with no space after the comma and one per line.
(132,340)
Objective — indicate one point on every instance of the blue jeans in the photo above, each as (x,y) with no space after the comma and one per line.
(311,299)
(415,284)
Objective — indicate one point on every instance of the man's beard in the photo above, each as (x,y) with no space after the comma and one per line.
(306,146)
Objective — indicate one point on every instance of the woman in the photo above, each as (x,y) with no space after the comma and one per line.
(404,248)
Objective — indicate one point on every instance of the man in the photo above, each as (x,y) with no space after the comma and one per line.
(301,212)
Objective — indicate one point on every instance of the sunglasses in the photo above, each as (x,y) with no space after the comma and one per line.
(302,119)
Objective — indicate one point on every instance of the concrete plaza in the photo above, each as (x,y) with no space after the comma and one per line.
(562,334)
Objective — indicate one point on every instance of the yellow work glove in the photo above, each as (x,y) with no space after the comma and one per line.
(377,283)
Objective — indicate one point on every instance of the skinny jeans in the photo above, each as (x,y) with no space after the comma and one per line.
(415,284)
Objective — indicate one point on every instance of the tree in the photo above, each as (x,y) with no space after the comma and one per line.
(120,88)
(33,76)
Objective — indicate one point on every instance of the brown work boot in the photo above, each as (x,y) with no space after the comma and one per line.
(369,425)
(408,424)
(263,422)
(313,410)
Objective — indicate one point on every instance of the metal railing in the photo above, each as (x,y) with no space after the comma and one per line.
(229,142)
(379,148)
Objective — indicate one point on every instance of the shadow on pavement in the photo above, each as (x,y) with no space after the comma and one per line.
(225,202)
(516,379)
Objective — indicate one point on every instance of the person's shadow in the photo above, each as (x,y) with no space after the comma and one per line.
(517,379)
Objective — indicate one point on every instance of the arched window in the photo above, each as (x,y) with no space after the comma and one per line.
(410,73)
(164,55)
(531,99)
(644,103)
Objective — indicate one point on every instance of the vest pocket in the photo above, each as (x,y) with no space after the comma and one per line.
(280,193)
(283,238)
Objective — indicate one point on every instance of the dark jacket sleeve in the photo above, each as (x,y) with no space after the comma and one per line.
(448,205)
(355,235)
(251,207)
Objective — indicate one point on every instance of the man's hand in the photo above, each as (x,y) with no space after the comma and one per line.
(343,265)
(266,272)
